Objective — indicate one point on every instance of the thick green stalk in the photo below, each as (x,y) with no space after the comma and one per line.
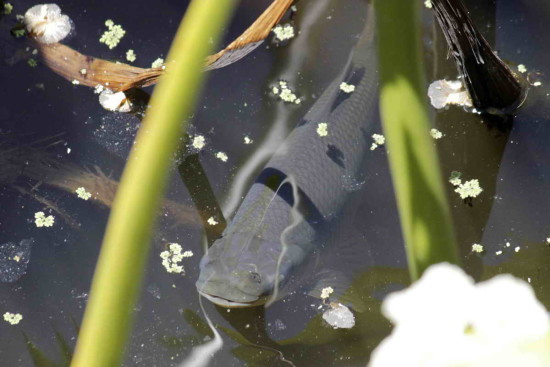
(421,200)
(117,279)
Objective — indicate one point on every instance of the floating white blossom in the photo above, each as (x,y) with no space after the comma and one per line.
(428,4)
(326,292)
(75,82)
(548,240)
(537,84)
(112,36)
(446,92)
(41,220)
(469,189)
(116,102)
(498,253)
(98,89)
(46,24)
(130,55)
(247,140)
(445,320)
(222,156)
(339,316)
(379,139)
(82,193)
(476,247)
(285,93)
(158,63)
(198,142)
(212,221)
(322,129)
(522,68)
(347,88)
(13,318)
(283,32)
(517,249)
(172,257)
(436,134)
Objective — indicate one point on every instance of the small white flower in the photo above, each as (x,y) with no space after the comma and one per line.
(436,134)
(198,142)
(517,249)
(498,253)
(285,93)
(537,84)
(283,32)
(82,193)
(522,68)
(212,221)
(476,247)
(428,4)
(13,318)
(247,140)
(347,88)
(158,63)
(112,36)
(40,220)
(469,189)
(98,89)
(172,257)
(322,129)
(222,156)
(46,23)
(83,71)
(326,292)
(130,55)
(455,178)
(75,82)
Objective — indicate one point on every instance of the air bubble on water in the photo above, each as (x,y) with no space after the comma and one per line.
(351,183)
(14,259)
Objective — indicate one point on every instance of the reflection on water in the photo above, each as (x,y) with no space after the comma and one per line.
(89,147)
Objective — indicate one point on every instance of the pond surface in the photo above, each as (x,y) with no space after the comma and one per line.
(55,137)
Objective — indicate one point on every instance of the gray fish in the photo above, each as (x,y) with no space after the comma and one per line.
(274,241)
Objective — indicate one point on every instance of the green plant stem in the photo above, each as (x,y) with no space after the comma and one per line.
(423,208)
(120,268)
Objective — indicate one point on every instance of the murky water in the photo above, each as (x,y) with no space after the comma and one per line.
(54,137)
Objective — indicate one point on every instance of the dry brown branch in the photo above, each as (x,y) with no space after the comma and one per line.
(70,64)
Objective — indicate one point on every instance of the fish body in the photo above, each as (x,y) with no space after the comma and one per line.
(274,239)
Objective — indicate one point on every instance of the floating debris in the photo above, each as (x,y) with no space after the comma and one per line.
(447,92)
(522,68)
(379,139)
(222,156)
(498,253)
(14,259)
(436,134)
(347,88)
(82,193)
(41,220)
(339,316)
(322,129)
(537,84)
(285,93)
(8,8)
(46,24)
(198,142)
(112,36)
(247,140)
(98,89)
(548,240)
(455,178)
(469,189)
(326,292)
(158,63)
(116,102)
(476,247)
(18,32)
(212,221)
(75,82)
(130,55)
(172,257)
(13,318)
(283,32)
(517,249)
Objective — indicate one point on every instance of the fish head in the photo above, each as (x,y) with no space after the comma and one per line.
(240,270)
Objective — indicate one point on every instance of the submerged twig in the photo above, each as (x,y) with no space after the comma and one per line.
(91,71)
(492,85)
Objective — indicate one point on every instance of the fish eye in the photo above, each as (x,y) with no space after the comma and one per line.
(255,277)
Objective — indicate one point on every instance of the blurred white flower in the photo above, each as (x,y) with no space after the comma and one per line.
(445,320)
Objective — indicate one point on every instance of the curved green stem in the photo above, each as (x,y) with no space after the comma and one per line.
(117,279)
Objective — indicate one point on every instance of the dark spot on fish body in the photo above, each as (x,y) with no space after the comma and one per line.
(336,155)
(353,76)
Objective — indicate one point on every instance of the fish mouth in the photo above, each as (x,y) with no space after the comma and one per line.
(230,304)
